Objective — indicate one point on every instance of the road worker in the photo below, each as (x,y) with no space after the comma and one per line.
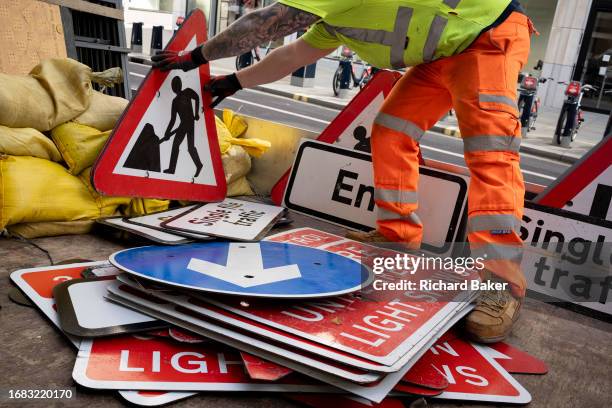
(464,54)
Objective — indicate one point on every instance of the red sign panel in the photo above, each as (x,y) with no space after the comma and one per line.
(128,362)
(472,374)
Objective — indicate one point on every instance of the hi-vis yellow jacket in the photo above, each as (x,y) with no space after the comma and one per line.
(399,33)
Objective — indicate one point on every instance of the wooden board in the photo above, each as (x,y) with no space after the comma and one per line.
(30,31)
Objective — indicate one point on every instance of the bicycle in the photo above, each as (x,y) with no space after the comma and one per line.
(347,58)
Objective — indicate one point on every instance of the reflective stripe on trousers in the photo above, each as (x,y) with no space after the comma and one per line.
(494,222)
(404,126)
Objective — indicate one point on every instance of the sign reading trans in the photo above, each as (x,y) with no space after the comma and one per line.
(165,144)
(262,269)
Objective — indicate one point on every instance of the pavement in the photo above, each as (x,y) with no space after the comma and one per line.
(539,142)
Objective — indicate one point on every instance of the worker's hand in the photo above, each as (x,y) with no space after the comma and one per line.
(221,87)
(167,60)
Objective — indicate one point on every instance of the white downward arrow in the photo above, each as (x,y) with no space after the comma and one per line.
(244,267)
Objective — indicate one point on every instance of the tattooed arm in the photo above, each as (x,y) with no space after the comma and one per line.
(256,28)
(280,63)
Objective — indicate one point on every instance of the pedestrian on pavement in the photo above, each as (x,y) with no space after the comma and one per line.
(464,54)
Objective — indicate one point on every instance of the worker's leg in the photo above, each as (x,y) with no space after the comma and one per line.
(415,104)
(482,81)
(179,136)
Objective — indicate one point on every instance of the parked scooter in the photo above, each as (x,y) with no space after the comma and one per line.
(571,116)
(346,62)
(529,103)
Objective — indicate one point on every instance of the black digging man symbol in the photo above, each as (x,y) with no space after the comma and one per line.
(361,135)
(145,154)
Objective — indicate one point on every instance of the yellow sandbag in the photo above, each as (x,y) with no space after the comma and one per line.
(254,147)
(223,135)
(27,142)
(236,163)
(55,91)
(79,145)
(239,187)
(37,190)
(143,206)
(30,230)
(107,206)
(230,130)
(103,112)
(236,124)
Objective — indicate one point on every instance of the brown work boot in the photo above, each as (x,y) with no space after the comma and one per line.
(372,236)
(492,318)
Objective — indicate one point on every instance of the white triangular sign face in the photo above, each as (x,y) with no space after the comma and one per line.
(357,135)
(159,151)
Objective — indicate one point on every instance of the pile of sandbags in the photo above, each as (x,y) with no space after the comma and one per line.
(53,126)
(45,186)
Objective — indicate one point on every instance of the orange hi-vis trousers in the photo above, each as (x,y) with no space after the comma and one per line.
(480,83)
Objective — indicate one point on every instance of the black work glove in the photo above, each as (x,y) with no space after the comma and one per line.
(167,60)
(221,87)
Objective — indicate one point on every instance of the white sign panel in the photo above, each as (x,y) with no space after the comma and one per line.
(336,185)
(568,257)
(232,219)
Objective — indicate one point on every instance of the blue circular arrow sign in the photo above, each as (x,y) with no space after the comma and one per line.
(263,269)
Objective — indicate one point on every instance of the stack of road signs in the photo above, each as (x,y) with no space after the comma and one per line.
(232,219)
(363,344)
(354,347)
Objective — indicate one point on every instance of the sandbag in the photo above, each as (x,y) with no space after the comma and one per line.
(230,131)
(55,91)
(30,230)
(223,135)
(27,142)
(104,111)
(107,205)
(37,190)
(236,124)
(236,163)
(239,187)
(143,206)
(78,144)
